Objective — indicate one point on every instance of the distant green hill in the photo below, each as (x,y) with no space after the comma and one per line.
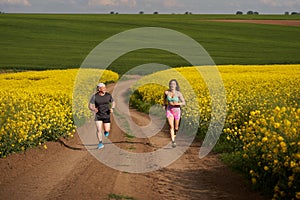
(48,41)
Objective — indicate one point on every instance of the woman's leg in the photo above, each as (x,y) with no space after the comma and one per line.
(176,127)
(177,114)
(171,124)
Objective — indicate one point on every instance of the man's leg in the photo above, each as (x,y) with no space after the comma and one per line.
(106,129)
(99,133)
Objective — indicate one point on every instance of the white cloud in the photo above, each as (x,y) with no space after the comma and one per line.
(277,3)
(149,6)
(15,2)
(129,3)
(171,3)
(292,3)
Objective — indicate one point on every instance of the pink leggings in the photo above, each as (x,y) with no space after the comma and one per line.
(173,111)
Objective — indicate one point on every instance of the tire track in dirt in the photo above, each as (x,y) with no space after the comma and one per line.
(32,176)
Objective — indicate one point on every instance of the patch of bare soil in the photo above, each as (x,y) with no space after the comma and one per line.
(275,22)
(66,170)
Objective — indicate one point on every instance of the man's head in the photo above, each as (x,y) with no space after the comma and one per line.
(101,88)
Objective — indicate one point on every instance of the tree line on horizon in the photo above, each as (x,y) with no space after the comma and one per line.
(250,12)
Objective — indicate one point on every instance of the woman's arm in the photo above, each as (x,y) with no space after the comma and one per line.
(182,100)
(165,99)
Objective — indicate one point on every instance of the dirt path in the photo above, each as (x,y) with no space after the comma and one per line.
(66,170)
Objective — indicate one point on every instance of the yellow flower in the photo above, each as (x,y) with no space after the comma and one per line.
(291,178)
(266,168)
(280,138)
(297,195)
(283,146)
(277,125)
(276,188)
(245,156)
(277,109)
(45,146)
(287,123)
(286,164)
(282,193)
(292,164)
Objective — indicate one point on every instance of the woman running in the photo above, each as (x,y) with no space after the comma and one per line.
(172,101)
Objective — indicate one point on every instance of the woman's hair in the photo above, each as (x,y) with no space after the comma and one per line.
(177,85)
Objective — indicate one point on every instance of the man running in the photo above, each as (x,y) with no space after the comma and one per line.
(102,104)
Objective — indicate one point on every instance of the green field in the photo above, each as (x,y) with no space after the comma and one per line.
(52,41)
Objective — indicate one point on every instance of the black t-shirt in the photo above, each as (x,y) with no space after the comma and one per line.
(102,103)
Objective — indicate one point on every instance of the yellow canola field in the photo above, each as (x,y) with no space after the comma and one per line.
(262,124)
(36,106)
(262,114)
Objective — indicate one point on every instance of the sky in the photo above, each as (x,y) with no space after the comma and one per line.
(150,6)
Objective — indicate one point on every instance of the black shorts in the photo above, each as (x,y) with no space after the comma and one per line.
(104,120)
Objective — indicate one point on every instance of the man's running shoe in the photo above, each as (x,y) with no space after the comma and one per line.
(106,134)
(100,145)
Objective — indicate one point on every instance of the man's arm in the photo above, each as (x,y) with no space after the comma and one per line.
(92,105)
(113,105)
